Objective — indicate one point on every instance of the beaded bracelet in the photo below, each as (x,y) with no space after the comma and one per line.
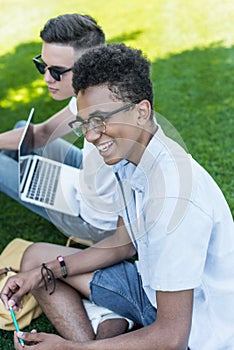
(48,277)
(63,266)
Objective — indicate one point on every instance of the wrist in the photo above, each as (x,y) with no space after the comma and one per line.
(51,271)
(62,266)
(48,278)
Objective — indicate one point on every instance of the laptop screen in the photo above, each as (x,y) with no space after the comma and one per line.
(25,147)
(26,143)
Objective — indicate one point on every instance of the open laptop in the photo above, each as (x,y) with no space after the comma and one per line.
(42,181)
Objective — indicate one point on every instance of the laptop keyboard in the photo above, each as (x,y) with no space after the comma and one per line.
(44,182)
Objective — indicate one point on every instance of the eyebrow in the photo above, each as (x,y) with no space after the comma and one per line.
(55,67)
(98,113)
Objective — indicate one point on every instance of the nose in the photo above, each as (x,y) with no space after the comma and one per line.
(48,77)
(91,135)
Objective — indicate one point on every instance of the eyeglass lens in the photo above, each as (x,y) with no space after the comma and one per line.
(42,69)
(95,123)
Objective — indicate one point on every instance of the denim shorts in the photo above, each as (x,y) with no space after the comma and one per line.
(119,288)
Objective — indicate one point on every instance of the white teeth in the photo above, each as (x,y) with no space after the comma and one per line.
(104,147)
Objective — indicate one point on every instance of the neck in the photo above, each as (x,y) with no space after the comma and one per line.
(141,144)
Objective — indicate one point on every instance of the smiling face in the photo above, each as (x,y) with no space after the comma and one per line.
(63,57)
(126,133)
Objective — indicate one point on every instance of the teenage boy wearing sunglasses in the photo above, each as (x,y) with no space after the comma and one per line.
(65,38)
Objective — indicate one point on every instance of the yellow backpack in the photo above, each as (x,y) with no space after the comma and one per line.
(9,266)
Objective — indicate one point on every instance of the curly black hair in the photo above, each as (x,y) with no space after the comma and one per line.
(124,70)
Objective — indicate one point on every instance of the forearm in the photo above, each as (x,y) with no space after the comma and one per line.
(137,340)
(147,338)
(84,261)
(170,330)
(9,140)
(53,128)
(105,253)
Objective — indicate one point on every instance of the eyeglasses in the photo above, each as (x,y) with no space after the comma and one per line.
(56,73)
(95,122)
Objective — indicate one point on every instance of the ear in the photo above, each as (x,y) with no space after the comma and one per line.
(144,111)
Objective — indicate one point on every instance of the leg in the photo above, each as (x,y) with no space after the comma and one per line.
(65,310)
(112,328)
(67,224)
(119,288)
(9,183)
(77,227)
(59,150)
(106,324)
(63,152)
(64,307)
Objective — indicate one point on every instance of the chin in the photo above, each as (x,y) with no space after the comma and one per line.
(112,161)
(57,98)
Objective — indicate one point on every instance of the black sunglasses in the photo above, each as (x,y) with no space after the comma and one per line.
(56,73)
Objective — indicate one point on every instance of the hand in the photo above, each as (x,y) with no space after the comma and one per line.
(40,341)
(19,285)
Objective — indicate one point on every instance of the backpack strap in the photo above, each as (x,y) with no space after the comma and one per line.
(5,270)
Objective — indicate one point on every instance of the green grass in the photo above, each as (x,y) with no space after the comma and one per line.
(191,45)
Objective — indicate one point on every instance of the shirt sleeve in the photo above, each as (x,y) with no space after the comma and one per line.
(176,258)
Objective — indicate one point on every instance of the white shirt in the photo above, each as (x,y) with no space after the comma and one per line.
(184,233)
(96,185)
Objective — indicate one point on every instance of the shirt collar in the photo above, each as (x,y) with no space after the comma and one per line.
(139,173)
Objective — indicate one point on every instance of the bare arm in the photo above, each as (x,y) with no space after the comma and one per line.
(105,253)
(170,330)
(54,127)
(9,140)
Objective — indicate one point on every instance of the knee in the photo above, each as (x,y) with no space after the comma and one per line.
(8,170)
(112,327)
(20,124)
(32,256)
